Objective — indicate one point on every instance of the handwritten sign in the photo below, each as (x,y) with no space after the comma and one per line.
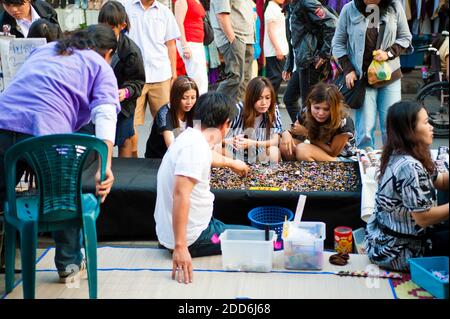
(13,53)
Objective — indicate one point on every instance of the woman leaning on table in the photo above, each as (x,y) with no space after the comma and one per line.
(406,222)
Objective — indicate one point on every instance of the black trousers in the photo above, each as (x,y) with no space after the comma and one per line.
(298,88)
(274,70)
(8,139)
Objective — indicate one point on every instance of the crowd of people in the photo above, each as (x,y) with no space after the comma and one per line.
(101,79)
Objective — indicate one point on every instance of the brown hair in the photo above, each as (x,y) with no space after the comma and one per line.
(252,94)
(329,93)
(181,85)
(401,123)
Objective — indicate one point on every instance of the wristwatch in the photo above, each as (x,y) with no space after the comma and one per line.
(389,54)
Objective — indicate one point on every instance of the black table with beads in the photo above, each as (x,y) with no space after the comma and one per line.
(333,192)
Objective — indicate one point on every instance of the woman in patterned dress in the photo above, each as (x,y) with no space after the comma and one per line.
(406,213)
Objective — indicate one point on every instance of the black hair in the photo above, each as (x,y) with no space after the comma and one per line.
(383,5)
(98,37)
(42,28)
(113,13)
(180,86)
(401,122)
(213,109)
(16,2)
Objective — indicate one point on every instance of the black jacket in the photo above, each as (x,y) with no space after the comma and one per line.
(129,70)
(310,27)
(43,9)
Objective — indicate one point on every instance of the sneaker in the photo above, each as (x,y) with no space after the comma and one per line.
(74,274)
(281,106)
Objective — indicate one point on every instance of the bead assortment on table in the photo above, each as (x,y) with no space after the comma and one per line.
(360,273)
(291,176)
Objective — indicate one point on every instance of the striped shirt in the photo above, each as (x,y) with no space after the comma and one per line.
(257,133)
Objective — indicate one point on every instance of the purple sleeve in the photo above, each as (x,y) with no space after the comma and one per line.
(104,88)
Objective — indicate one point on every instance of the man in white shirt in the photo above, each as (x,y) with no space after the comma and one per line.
(184,202)
(154,29)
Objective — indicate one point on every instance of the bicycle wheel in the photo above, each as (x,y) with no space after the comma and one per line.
(434,98)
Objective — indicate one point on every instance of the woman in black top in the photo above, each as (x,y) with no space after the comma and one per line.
(129,70)
(172,118)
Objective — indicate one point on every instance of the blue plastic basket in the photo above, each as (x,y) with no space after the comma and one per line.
(422,276)
(271,216)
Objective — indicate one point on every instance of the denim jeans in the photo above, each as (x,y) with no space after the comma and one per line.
(376,102)
(68,241)
(203,246)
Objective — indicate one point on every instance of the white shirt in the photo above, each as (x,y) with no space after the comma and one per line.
(24,24)
(151,28)
(274,14)
(189,155)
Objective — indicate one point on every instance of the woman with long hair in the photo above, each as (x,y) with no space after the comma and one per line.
(61,87)
(405,202)
(254,132)
(173,118)
(327,125)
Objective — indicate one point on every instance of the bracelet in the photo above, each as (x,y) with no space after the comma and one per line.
(127,93)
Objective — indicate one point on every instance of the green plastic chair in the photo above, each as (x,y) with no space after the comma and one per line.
(57,161)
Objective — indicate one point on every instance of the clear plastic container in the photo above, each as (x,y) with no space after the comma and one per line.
(303,249)
(247,250)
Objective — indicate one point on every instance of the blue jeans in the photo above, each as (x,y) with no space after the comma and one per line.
(377,101)
(203,246)
(68,241)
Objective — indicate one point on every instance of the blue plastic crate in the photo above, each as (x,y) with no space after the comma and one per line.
(272,217)
(410,61)
(421,274)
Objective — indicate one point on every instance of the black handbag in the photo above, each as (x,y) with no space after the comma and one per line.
(355,96)
(208,30)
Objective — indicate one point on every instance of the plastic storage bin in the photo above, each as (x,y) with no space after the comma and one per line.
(247,250)
(304,252)
(272,217)
(410,61)
(421,274)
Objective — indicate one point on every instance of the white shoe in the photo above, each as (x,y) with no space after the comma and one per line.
(73,275)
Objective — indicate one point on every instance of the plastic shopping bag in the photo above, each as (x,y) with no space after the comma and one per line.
(378,71)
